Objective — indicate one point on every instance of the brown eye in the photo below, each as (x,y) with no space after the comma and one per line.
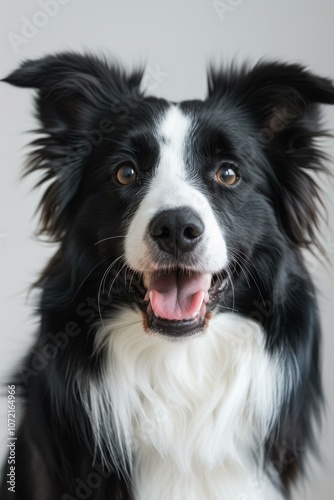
(126,175)
(227,176)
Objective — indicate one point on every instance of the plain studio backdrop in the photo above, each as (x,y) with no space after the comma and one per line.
(176,40)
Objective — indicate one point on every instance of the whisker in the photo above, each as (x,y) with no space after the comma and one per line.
(247,259)
(133,275)
(232,286)
(102,285)
(90,272)
(109,238)
(115,278)
(245,265)
(104,277)
(219,306)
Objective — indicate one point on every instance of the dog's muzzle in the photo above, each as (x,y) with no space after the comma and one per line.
(177,296)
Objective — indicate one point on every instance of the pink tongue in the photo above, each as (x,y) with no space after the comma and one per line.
(177,297)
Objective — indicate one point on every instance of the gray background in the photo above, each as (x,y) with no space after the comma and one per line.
(176,40)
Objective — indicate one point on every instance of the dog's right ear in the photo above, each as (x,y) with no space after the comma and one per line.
(72,91)
(70,86)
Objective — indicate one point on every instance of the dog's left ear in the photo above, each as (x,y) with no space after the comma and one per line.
(75,94)
(282,101)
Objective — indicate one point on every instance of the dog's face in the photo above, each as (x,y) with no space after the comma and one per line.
(183,194)
(175,199)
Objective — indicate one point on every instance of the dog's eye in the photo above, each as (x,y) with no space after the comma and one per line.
(227,175)
(126,175)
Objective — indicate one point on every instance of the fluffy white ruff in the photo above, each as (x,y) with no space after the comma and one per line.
(192,414)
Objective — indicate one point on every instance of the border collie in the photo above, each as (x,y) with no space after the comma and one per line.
(177,356)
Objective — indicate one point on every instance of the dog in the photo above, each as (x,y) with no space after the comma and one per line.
(177,355)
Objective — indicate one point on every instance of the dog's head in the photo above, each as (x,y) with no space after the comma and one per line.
(175,198)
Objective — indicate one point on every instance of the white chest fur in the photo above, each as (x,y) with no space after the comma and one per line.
(191,413)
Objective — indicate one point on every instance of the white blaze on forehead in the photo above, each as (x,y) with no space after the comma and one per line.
(169,181)
(172,187)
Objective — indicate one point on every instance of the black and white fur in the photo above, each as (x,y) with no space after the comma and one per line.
(224,409)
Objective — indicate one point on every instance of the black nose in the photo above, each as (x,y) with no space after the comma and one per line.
(176,231)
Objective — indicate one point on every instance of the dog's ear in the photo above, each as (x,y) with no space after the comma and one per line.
(72,91)
(282,101)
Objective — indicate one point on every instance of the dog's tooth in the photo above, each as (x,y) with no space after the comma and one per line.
(195,314)
(208,280)
(150,297)
(204,301)
(146,280)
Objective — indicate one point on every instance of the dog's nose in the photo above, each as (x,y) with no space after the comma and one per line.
(177,230)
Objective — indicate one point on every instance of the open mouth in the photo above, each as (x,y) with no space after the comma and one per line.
(179,302)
